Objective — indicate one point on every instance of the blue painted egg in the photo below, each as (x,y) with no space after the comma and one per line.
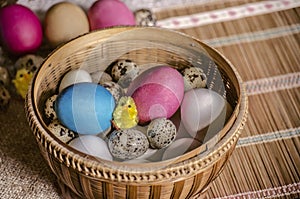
(85,108)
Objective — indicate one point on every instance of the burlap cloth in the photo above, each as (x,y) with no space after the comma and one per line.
(261,38)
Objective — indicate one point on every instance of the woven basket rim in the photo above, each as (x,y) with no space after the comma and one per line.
(126,172)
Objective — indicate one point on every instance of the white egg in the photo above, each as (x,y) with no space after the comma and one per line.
(179,147)
(73,77)
(199,108)
(92,145)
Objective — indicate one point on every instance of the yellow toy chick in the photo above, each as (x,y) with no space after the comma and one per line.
(22,80)
(125,114)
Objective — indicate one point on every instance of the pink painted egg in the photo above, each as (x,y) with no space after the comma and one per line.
(157,92)
(108,13)
(20,30)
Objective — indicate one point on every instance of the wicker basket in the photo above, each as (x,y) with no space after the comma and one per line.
(183,177)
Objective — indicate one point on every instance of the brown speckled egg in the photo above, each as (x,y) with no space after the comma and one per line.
(30,62)
(49,107)
(115,89)
(4,97)
(161,133)
(194,77)
(127,144)
(121,68)
(61,132)
(4,76)
(144,17)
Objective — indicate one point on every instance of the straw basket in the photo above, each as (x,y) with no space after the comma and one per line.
(183,177)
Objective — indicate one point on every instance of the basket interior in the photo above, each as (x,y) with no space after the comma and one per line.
(145,46)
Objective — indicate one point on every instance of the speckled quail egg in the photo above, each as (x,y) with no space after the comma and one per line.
(4,76)
(124,69)
(194,77)
(115,89)
(125,80)
(127,144)
(61,132)
(100,77)
(30,62)
(49,107)
(161,133)
(144,17)
(4,97)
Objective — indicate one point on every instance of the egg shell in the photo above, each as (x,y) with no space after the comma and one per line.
(85,108)
(157,92)
(115,89)
(65,21)
(108,13)
(143,158)
(73,77)
(194,77)
(144,17)
(126,79)
(210,132)
(199,108)
(92,145)
(121,68)
(161,132)
(4,76)
(127,144)
(61,132)
(4,97)
(179,147)
(21,30)
(49,107)
(100,77)
(30,62)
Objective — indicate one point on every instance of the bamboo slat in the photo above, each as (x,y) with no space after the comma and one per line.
(263,48)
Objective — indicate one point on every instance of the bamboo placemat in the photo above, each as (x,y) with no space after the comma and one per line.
(261,38)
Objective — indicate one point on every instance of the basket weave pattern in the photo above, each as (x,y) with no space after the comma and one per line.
(90,178)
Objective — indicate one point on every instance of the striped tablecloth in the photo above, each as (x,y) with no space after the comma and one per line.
(262,40)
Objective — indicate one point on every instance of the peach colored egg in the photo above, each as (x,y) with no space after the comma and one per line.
(65,21)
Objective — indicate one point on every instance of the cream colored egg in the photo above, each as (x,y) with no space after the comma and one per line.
(65,21)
